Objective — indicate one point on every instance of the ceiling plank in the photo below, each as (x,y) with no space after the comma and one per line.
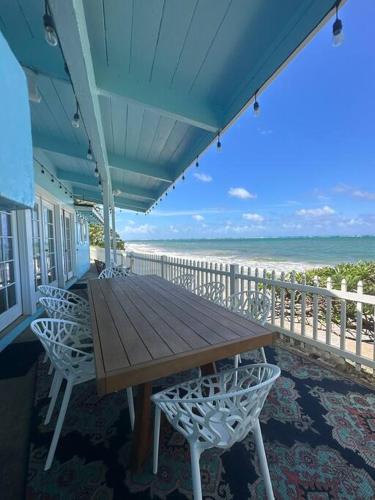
(76,150)
(119,202)
(116,186)
(158,99)
(69,18)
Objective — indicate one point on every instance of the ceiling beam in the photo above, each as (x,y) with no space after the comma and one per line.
(92,181)
(138,167)
(158,99)
(94,197)
(79,151)
(70,22)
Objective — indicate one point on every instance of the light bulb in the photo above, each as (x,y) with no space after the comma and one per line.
(256,108)
(197,163)
(337,33)
(96,172)
(89,154)
(75,121)
(49,31)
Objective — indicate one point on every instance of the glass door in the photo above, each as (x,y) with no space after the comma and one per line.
(68,244)
(37,244)
(49,244)
(10,295)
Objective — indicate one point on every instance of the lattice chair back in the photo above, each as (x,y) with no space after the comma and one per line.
(62,309)
(61,293)
(185,280)
(213,291)
(219,410)
(113,272)
(253,305)
(67,347)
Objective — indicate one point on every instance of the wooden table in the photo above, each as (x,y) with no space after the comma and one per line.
(144,327)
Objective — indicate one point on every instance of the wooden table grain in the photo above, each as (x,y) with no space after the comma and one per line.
(144,328)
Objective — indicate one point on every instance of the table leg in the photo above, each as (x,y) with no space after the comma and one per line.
(208,369)
(142,428)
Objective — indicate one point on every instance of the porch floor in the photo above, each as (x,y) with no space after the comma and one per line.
(318,430)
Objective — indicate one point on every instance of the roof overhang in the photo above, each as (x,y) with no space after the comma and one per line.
(155,84)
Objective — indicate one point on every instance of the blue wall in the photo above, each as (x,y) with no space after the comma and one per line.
(16,153)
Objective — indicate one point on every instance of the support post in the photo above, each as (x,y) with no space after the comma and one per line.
(107,231)
(233,283)
(114,241)
(162,258)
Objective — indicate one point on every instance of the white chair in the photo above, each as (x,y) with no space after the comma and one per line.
(73,360)
(185,280)
(213,291)
(217,411)
(61,293)
(62,309)
(113,272)
(253,305)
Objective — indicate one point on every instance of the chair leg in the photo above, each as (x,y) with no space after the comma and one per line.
(129,392)
(45,358)
(55,388)
(59,424)
(263,460)
(236,361)
(263,354)
(195,472)
(156,440)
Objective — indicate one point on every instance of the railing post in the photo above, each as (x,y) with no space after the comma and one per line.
(162,266)
(233,283)
(131,262)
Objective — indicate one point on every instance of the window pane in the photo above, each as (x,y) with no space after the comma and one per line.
(9,272)
(2,277)
(3,300)
(11,296)
(7,249)
(6,229)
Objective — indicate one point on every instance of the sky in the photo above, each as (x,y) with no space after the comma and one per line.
(304,167)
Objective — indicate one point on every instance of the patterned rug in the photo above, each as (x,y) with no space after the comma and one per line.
(318,430)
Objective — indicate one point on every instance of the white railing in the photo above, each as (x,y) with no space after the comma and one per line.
(340,322)
(98,253)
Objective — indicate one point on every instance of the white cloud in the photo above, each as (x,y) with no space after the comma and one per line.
(356,193)
(253,217)
(198,217)
(202,177)
(291,225)
(241,193)
(142,229)
(316,212)
(131,222)
(264,131)
(367,195)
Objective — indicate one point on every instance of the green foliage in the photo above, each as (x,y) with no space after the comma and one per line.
(352,273)
(97,237)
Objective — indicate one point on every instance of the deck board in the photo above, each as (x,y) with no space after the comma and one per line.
(145,327)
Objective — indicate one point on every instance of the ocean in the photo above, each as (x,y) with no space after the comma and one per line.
(279,254)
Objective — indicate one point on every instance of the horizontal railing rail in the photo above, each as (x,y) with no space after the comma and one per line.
(337,321)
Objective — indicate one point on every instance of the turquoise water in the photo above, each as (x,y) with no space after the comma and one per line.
(307,252)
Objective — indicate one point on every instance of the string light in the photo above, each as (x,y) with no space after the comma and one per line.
(183,177)
(256,106)
(197,162)
(337,32)
(96,171)
(218,144)
(50,34)
(89,153)
(174,187)
(75,121)
(53,178)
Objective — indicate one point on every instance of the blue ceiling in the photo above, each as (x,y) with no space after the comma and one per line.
(169,76)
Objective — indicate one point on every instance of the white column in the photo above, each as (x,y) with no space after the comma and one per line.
(114,241)
(107,233)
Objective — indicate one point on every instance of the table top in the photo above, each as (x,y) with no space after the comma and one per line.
(145,327)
